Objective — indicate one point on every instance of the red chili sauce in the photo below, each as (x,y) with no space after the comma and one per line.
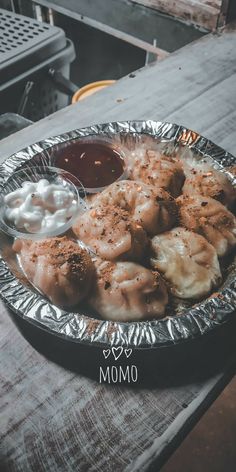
(94,164)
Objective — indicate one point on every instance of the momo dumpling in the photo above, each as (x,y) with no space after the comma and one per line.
(110,233)
(202,179)
(125,291)
(154,209)
(187,262)
(58,267)
(208,217)
(155,168)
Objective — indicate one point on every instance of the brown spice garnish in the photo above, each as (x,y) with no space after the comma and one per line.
(156,278)
(104,272)
(112,328)
(63,250)
(92,326)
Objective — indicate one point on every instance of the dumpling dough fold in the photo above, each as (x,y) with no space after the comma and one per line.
(152,166)
(58,267)
(187,261)
(208,217)
(202,179)
(125,291)
(154,209)
(111,234)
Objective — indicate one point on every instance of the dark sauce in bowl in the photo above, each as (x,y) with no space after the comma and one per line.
(95,164)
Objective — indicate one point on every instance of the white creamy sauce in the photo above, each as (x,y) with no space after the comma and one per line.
(40,206)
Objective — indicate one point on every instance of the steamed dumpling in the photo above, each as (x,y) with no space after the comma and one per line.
(155,168)
(154,209)
(58,267)
(202,179)
(187,261)
(208,217)
(125,291)
(110,233)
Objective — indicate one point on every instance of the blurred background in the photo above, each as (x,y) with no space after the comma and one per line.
(100,40)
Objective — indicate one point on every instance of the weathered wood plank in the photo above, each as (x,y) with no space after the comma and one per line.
(201,12)
(154,457)
(53,419)
(176,89)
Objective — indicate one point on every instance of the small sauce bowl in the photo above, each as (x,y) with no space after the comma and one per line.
(96,161)
(63,179)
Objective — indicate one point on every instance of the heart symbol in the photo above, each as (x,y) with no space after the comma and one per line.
(117,351)
(106,353)
(128,352)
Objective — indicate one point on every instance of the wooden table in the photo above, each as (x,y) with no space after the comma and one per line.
(55,419)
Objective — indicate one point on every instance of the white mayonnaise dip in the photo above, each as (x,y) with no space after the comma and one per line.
(40,206)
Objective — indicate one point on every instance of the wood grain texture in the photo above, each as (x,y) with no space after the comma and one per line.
(55,420)
(201,12)
(52,418)
(188,88)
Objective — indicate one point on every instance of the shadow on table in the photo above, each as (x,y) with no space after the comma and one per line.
(190,361)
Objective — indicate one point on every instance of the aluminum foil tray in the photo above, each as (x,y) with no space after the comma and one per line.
(78,327)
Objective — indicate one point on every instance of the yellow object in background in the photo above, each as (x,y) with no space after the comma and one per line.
(91,88)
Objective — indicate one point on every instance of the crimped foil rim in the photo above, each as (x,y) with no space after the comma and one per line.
(77,327)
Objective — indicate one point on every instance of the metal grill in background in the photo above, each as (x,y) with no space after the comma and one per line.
(28,50)
(15,31)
